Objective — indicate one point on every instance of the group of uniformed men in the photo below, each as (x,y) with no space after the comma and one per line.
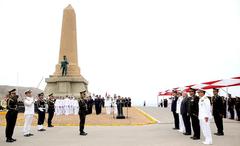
(198,110)
(42,106)
(29,101)
(65,106)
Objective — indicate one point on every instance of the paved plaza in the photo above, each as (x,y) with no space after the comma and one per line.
(160,134)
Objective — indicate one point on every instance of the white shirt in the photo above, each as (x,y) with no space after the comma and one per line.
(204,108)
(108,102)
(75,103)
(179,102)
(29,106)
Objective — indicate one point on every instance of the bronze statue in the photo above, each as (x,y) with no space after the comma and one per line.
(64,66)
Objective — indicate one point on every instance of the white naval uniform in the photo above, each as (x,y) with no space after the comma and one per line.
(181,123)
(28,114)
(66,106)
(75,107)
(57,106)
(61,106)
(71,106)
(114,104)
(108,103)
(205,112)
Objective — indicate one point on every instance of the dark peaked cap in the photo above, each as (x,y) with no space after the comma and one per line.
(41,94)
(10,91)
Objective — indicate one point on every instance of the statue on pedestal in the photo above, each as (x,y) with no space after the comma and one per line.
(64,66)
(67,79)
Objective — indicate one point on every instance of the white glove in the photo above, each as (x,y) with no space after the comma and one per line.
(41,109)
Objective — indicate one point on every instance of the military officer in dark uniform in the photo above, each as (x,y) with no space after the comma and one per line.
(98,106)
(11,116)
(185,115)
(231,104)
(89,104)
(174,108)
(41,109)
(218,111)
(51,109)
(193,112)
(237,107)
(225,108)
(83,110)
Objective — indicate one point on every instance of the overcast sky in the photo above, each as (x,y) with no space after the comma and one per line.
(128,47)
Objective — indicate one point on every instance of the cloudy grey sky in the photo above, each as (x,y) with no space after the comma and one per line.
(129,47)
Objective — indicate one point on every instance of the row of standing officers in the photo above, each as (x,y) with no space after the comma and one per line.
(198,109)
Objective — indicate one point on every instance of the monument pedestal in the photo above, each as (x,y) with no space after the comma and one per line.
(65,85)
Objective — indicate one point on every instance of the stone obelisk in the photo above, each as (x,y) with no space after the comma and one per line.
(73,82)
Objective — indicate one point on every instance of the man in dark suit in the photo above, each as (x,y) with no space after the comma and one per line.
(83,111)
(185,115)
(173,109)
(41,109)
(218,111)
(193,112)
(51,109)
(237,107)
(11,116)
(98,104)
(231,104)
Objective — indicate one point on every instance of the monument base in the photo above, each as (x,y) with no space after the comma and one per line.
(65,85)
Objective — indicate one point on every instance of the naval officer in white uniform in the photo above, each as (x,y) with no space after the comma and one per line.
(28,113)
(204,116)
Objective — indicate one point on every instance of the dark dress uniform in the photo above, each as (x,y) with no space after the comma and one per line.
(231,103)
(225,108)
(218,112)
(165,103)
(98,106)
(237,107)
(41,113)
(120,105)
(193,111)
(185,115)
(51,110)
(11,117)
(175,114)
(83,110)
(129,102)
(90,105)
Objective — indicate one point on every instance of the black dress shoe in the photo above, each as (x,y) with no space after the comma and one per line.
(83,133)
(42,130)
(175,128)
(220,134)
(30,134)
(196,138)
(50,126)
(186,133)
(9,140)
(13,139)
(192,137)
(26,135)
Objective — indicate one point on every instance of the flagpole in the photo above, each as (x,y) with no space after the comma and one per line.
(17,82)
